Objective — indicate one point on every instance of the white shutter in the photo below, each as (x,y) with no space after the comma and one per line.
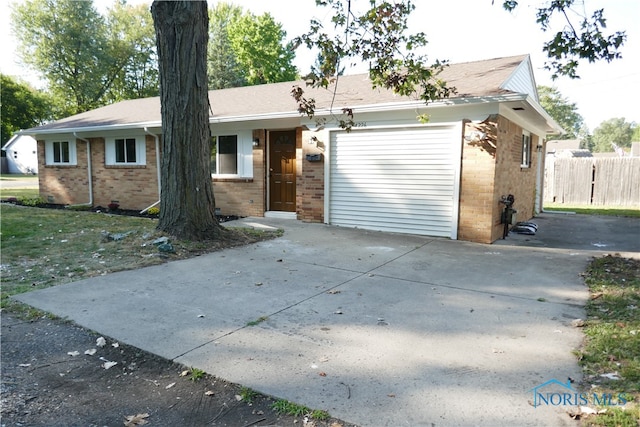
(398,180)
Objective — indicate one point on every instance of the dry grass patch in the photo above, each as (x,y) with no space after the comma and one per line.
(47,247)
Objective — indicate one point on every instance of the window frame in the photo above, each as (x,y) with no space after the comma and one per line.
(244,154)
(110,151)
(525,156)
(50,152)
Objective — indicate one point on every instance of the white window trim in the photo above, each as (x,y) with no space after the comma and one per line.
(48,152)
(522,149)
(110,151)
(245,154)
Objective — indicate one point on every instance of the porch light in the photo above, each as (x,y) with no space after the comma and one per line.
(256,142)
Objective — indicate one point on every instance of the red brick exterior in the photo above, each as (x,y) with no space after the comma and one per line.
(245,197)
(132,187)
(492,168)
(310,182)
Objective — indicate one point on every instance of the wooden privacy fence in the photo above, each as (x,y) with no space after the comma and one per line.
(597,181)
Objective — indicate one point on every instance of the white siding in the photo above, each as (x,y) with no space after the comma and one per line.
(399,180)
(522,80)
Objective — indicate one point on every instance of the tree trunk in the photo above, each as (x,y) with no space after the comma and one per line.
(187,207)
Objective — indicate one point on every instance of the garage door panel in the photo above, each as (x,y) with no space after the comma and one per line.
(433,206)
(399,180)
(441,229)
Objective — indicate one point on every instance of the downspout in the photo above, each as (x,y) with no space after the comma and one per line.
(155,137)
(90,203)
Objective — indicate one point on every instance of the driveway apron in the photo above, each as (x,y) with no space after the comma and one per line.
(378,329)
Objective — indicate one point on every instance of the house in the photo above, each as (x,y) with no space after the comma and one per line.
(391,173)
(555,146)
(21,154)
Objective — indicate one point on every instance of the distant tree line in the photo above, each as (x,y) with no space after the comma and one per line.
(612,131)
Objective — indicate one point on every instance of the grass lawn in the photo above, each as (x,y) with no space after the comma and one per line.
(629,211)
(19,193)
(47,247)
(612,342)
(15,177)
(27,192)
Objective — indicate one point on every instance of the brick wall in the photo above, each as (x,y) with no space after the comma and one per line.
(132,187)
(511,178)
(477,183)
(244,197)
(310,181)
(64,185)
(491,168)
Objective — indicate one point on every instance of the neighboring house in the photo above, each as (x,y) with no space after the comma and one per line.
(557,146)
(444,178)
(21,154)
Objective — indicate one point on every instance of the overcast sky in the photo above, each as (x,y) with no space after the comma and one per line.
(460,31)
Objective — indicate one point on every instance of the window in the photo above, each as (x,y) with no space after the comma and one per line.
(125,151)
(60,152)
(224,155)
(526,149)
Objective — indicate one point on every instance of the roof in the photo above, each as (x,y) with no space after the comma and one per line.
(562,144)
(16,139)
(573,153)
(473,80)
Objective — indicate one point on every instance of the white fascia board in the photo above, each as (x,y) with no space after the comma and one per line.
(10,141)
(550,120)
(254,117)
(92,129)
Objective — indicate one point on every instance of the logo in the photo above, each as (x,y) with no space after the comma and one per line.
(557,393)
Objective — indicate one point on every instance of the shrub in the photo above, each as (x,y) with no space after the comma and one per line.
(31,201)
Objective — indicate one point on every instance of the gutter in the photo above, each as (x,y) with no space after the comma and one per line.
(90,203)
(86,129)
(146,130)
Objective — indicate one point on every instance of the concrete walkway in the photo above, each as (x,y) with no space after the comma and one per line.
(378,329)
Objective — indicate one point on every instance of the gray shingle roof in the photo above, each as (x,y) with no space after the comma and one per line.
(472,79)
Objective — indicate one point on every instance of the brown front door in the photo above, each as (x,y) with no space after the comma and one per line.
(282,171)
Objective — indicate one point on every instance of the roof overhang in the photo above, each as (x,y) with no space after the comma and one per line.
(527,109)
(89,131)
(512,105)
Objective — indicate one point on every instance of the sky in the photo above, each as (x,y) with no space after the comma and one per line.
(459,31)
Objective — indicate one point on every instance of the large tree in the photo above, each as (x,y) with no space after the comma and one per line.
(131,32)
(258,43)
(247,49)
(613,131)
(187,207)
(67,43)
(224,71)
(563,111)
(21,107)
(86,59)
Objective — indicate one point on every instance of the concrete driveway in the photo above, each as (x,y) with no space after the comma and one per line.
(378,329)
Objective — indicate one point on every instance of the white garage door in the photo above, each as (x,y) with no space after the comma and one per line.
(398,180)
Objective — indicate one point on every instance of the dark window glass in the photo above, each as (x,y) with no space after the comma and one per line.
(126,150)
(226,152)
(61,152)
(526,150)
